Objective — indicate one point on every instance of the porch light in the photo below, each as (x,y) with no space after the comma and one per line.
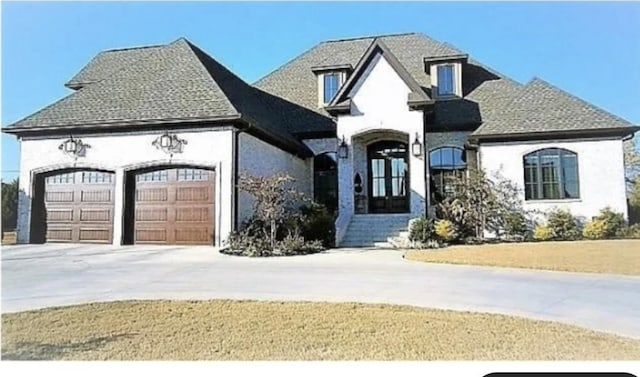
(343,149)
(416,147)
(165,140)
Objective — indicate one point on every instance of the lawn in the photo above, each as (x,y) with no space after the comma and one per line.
(250,330)
(610,256)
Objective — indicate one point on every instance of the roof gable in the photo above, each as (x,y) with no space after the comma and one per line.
(377,47)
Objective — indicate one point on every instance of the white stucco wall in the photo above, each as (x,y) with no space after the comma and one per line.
(379,102)
(258,158)
(600,171)
(211,148)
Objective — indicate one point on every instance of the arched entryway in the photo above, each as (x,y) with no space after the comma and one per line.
(73,205)
(325,180)
(388,174)
(170,205)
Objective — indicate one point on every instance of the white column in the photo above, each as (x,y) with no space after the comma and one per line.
(118,207)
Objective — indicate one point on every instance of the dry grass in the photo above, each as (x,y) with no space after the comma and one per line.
(611,256)
(9,238)
(241,330)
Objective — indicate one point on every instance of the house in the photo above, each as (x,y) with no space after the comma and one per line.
(150,144)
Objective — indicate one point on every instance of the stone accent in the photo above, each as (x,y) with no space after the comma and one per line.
(446,139)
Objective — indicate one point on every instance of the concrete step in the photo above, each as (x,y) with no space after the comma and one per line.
(375,230)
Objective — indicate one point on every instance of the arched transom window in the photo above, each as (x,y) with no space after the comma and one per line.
(551,174)
(446,165)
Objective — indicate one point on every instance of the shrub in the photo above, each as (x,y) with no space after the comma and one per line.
(595,230)
(515,225)
(563,225)
(613,221)
(247,244)
(422,230)
(275,228)
(294,244)
(445,230)
(632,231)
(317,224)
(542,233)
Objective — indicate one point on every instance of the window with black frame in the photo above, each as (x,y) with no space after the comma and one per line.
(551,174)
(447,164)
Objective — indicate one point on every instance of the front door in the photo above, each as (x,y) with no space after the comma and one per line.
(388,177)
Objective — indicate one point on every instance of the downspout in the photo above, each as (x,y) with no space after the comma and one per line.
(235,171)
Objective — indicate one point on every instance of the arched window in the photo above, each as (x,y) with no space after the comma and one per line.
(551,174)
(446,164)
(325,180)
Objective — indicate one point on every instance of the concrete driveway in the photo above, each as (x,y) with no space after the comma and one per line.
(36,276)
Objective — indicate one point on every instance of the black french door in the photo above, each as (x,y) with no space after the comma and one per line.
(388,177)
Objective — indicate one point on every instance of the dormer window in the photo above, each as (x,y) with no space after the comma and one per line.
(446,75)
(446,80)
(330,79)
(331,85)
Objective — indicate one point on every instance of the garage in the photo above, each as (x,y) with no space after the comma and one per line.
(174,206)
(77,207)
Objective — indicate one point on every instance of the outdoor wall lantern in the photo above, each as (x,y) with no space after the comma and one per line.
(73,147)
(169,143)
(416,147)
(343,149)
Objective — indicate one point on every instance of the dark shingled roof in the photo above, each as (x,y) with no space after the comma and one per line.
(106,63)
(542,107)
(175,82)
(178,82)
(490,99)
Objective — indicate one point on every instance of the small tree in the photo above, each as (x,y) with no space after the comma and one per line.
(9,205)
(480,204)
(274,199)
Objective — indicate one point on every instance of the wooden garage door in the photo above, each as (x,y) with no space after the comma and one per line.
(175,206)
(79,206)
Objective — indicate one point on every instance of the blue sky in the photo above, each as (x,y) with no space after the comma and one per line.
(589,49)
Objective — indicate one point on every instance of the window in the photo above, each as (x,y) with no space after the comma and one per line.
(325,180)
(331,85)
(62,178)
(446,165)
(153,176)
(96,177)
(446,81)
(551,174)
(193,175)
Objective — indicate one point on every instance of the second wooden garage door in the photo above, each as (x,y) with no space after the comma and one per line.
(175,206)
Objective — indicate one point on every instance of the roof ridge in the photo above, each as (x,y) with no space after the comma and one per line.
(368,37)
(195,50)
(132,48)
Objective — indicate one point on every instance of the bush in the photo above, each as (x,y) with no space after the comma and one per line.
(294,244)
(317,224)
(613,221)
(422,230)
(247,244)
(563,225)
(632,231)
(515,225)
(542,233)
(445,230)
(595,230)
